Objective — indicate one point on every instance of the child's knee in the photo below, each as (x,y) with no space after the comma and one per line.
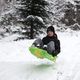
(51,46)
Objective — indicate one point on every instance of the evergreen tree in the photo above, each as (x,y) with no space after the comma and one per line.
(57,9)
(77,12)
(33,14)
(69,15)
(8,17)
(72,15)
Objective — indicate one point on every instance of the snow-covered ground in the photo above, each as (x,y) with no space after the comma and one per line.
(16,62)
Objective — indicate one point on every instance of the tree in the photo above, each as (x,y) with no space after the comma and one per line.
(72,15)
(33,14)
(57,9)
(7,17)
(69,16)
(77,12)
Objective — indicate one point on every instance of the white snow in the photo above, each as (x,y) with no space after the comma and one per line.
(17,63)
(35,17)
(72,1)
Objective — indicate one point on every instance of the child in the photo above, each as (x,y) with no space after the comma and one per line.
(50,43)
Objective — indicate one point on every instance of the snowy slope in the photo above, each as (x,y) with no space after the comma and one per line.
(16,62)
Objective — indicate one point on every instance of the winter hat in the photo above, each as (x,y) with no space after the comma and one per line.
(51,28)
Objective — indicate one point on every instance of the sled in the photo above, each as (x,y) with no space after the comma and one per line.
(40,53)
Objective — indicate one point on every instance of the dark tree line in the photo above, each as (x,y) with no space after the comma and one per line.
(34,14)
(72,15)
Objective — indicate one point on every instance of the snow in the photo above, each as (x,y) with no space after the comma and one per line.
(35,17)
(72,1)
(17,63)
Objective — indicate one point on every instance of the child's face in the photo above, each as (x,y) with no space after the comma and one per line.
(50,33)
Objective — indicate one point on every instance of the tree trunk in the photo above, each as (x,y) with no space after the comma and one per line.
(31,31)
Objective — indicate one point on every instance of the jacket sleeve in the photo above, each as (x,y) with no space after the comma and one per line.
(44,40)
(57,47)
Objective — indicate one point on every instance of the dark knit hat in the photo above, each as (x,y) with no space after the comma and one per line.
(51,28)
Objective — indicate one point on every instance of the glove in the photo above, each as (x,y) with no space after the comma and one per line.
(45,47)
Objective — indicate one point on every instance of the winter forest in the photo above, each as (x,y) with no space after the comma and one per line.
(29,18)
(22,22)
